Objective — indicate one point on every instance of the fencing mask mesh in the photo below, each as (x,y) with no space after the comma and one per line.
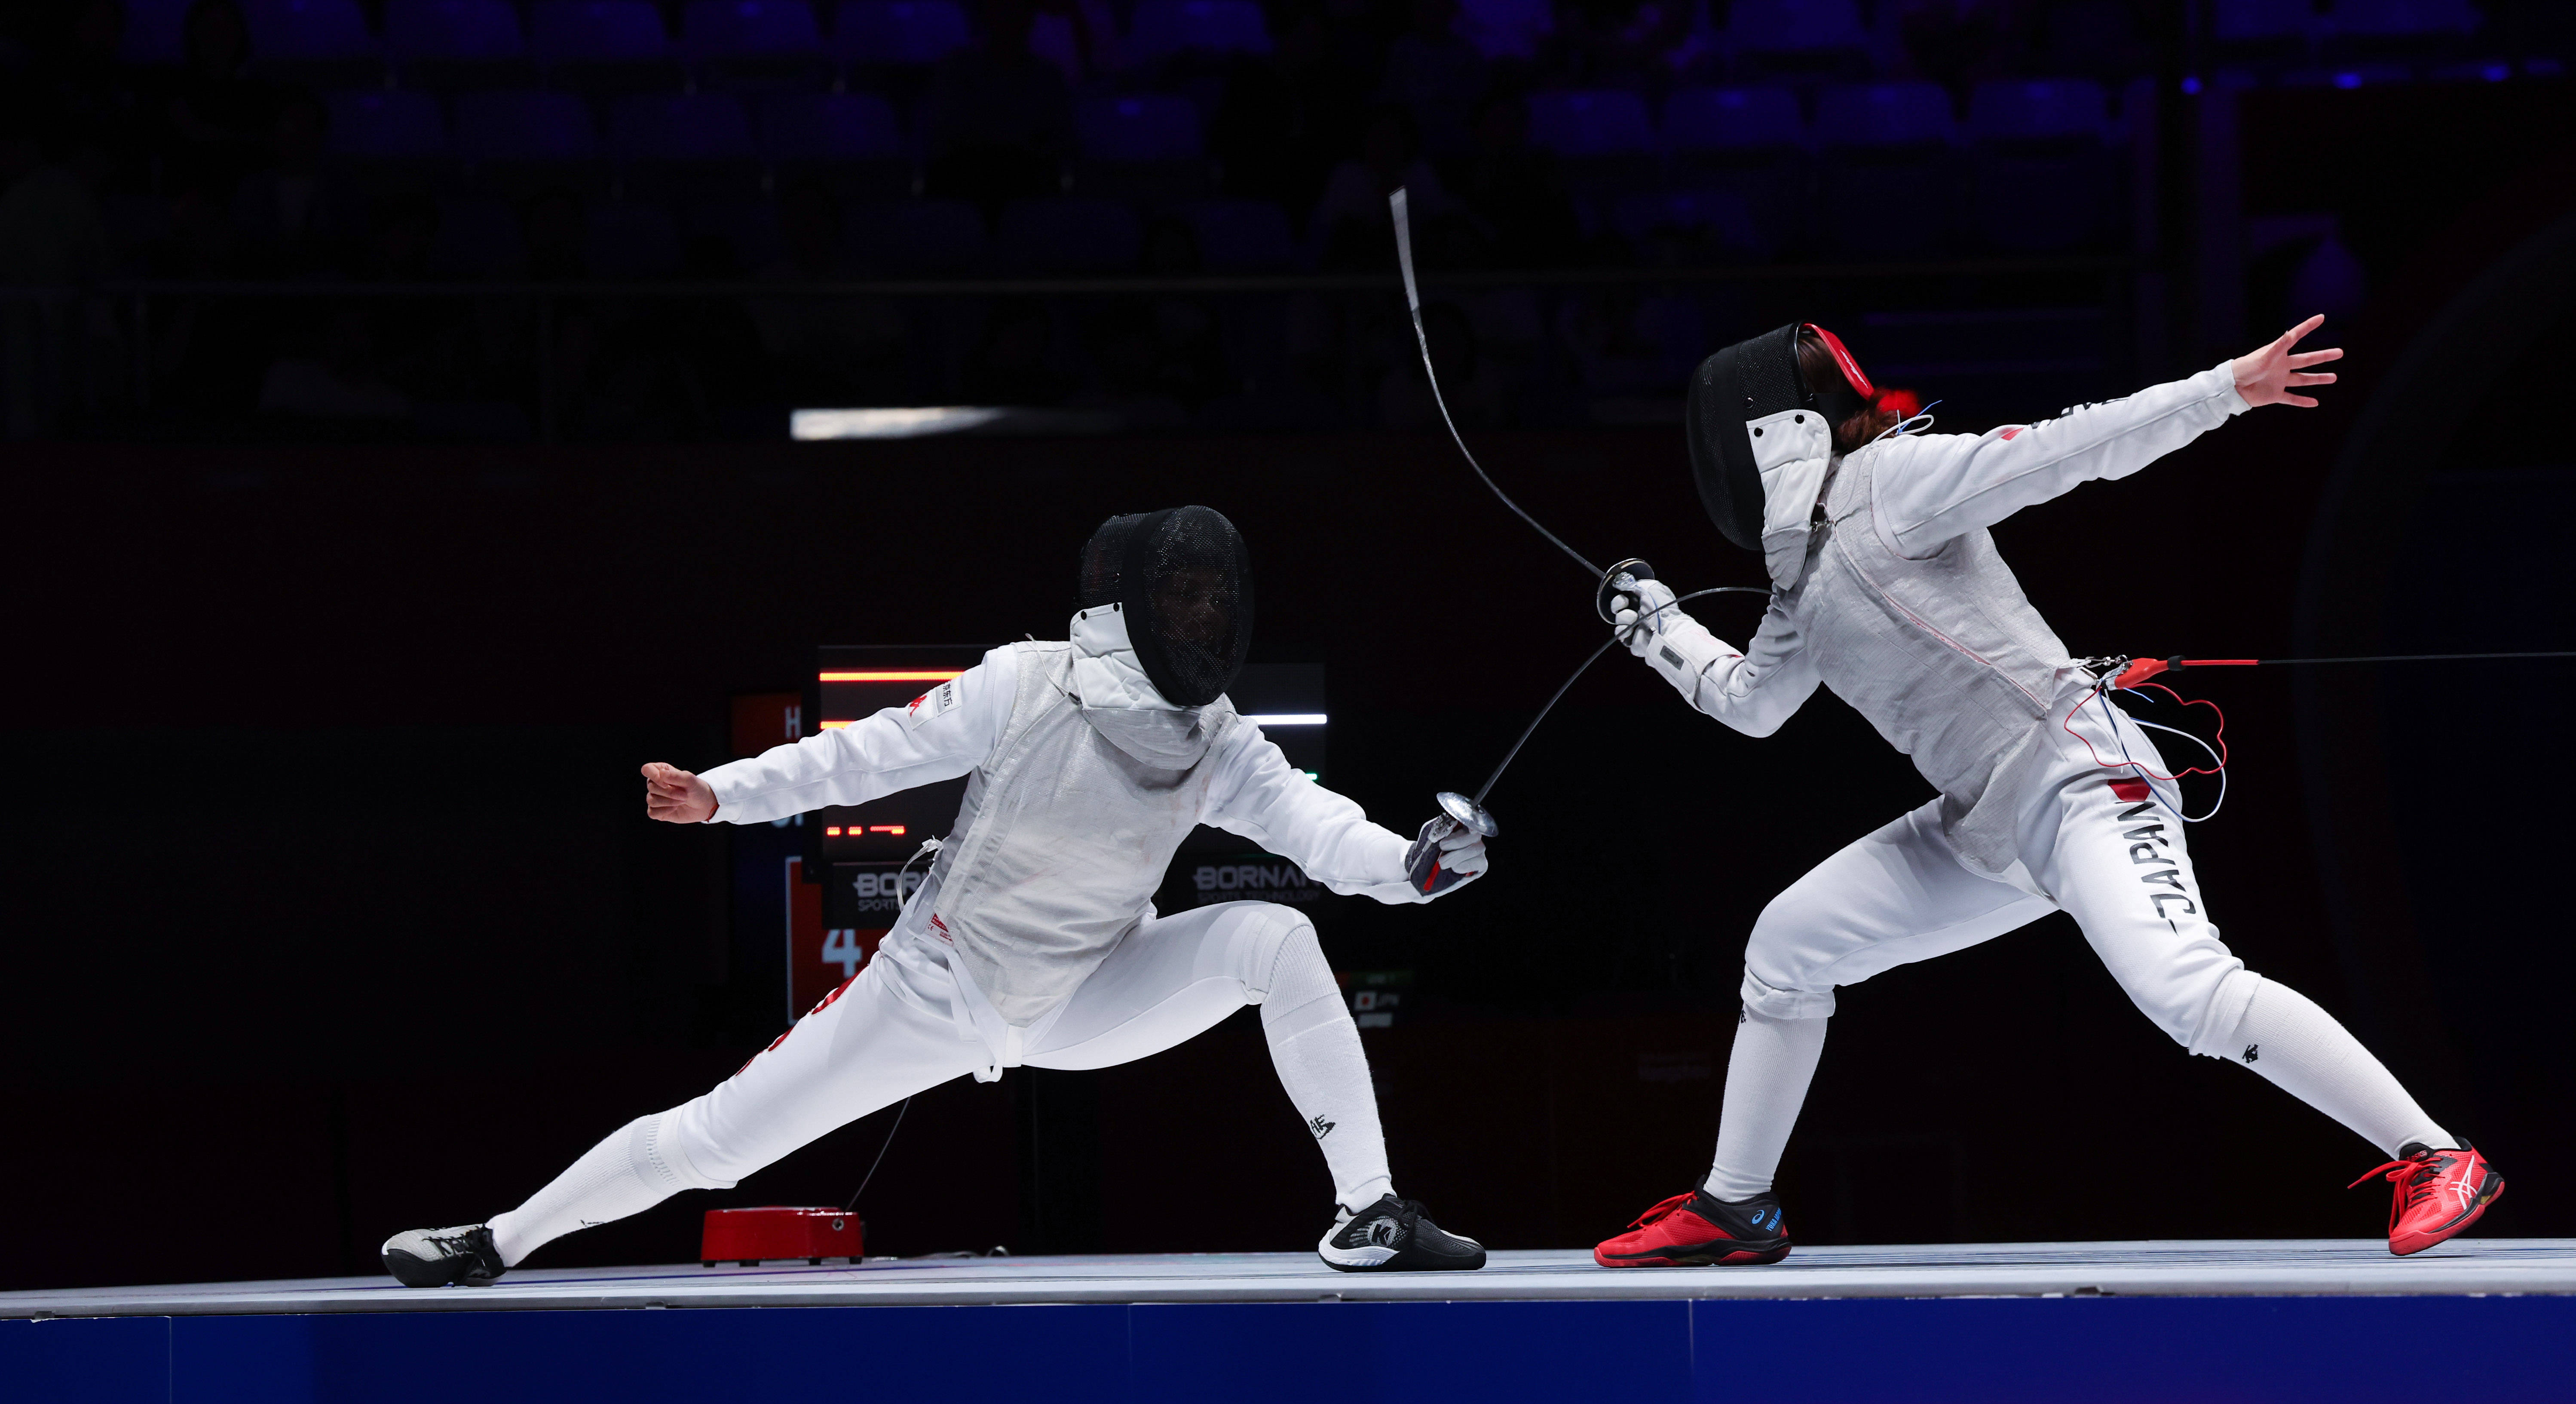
(1753,378)
(1184,581)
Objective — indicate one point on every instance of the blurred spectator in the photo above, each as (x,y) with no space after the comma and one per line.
(1351,227)
(998,120)
(1514,193)
(287,213)
(825,351)
(216,116)
(1436,75)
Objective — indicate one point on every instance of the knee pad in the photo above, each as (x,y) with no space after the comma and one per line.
(657,1150)
(2214,1035)
(1300,984)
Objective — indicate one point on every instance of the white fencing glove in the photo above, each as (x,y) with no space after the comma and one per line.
(1644,608)
(1446,855)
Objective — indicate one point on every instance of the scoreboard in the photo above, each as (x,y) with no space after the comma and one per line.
(850,684)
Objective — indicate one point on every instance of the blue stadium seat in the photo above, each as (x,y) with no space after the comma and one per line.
(818,127)
(2039,109)
(452,29)
(2400,19)
(604,46)
(308,29)
(1164,27)
(678,127)
(524,125)
(1506,28)
(385,124)
(1794,26)
(2044,177)
(910,238)
(321,43)
(2262,21)
(1069,236)
(753,42)
(1589,124)
(154,31)
(457,43)
(1144,127)
(907,32)
(1733,119)
(1240,236)
(1889,180)
(597,31)
(1883,114)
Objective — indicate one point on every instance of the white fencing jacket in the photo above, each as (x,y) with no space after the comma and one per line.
(1083,783)
(1887,588)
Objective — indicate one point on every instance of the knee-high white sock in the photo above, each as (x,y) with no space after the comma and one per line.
(1317,1052)
(2300,1049)
(632,1170)
(1766,1084)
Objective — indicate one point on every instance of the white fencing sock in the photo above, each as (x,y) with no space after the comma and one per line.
(2300,1049)
(1316,1049)
(1766,1084)
(634,1169)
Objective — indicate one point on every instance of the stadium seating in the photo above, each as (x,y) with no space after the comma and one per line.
(1506,29)
(1241,236)
(449,44)
(1144,147)
(1162,28)
(1739,161)
(382,124)
(154,30)
(1796,36)
(754,43)
(322,43)
(917,238)
(897,32)
(603,46)
(696,145)
(2043,177)
(1888,180)
(520,140)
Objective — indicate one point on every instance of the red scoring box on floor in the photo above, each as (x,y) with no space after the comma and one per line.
(752,1236)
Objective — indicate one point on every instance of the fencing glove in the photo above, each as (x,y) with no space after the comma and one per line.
(1446,855)
(1647,610)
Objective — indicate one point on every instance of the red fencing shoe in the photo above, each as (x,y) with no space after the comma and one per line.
(2439,1193)
(1696,1230)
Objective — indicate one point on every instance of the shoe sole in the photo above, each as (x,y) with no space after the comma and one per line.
(2436,1237)
(1738,1254)
(420,1272)
(1395,1261)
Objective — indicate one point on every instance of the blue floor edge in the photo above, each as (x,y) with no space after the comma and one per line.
(2105,1350)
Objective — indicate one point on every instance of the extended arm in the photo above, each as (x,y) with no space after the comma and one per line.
(1753,691)
(1936,487)
(1259,795)
(947,732)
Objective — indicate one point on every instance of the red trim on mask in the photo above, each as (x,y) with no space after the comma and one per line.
(1851,368)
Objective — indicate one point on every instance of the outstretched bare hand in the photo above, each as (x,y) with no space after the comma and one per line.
(2266,377)
(675,796)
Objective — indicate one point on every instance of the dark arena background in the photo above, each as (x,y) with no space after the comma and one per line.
(403,443)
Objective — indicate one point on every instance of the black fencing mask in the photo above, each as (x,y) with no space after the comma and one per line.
(1751,380)
(1183,580)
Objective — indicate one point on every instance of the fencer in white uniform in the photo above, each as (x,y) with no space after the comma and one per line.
(1887,589)
(1033,941)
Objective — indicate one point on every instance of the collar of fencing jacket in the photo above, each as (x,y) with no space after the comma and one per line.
(1121,703)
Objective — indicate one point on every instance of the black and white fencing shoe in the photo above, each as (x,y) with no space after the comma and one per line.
(1393,1235)
(444,1257)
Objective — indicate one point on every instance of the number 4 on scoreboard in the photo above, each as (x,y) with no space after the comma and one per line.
(841,947)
